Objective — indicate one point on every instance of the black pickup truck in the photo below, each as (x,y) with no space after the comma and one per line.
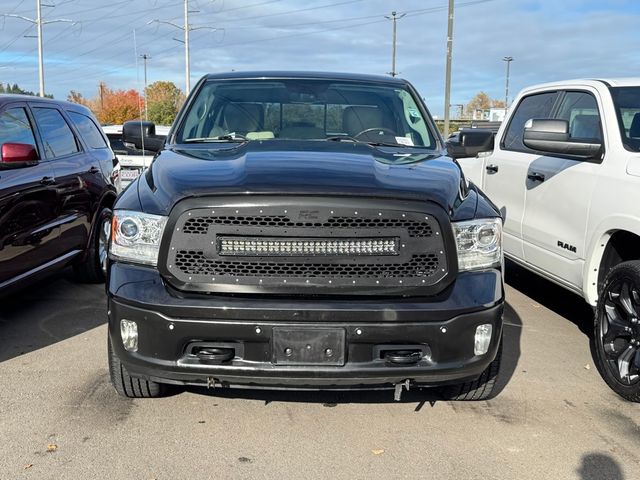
(303,231)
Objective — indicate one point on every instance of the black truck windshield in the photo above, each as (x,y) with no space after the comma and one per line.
(305,109)
(627,102)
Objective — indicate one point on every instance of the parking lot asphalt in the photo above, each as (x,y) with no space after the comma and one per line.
(554,418)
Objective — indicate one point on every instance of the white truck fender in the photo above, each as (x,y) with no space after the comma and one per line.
(600,237)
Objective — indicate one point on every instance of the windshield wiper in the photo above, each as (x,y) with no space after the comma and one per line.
(342,138)
(227,137)
(347,138)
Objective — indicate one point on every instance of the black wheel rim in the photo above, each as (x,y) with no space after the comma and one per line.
(104,236)
(619,330)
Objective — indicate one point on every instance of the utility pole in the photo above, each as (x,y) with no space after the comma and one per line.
(506,88)
(186,28)
(394,17)
(40,53)
(38,22)
(187,61)
(447,85)
(145,57)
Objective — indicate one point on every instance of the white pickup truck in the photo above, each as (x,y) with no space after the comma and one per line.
(564,170)
(131,162)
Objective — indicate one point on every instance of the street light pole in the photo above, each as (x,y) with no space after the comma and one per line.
(506,89)
(394,17)
(447,86)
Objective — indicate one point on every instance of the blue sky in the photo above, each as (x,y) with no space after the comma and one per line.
(549,40)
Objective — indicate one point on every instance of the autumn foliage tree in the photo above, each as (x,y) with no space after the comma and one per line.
(482,101)
(118,106)
(112,106)
(163,102)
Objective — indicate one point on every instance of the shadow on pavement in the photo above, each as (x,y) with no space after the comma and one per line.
(48,312)
(599,466)
(555,298)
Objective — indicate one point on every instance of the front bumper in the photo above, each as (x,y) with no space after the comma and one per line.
(443,327)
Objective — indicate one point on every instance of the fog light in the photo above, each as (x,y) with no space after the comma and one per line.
(129,334)
(483,338)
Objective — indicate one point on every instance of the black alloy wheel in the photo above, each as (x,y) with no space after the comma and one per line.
(617,330)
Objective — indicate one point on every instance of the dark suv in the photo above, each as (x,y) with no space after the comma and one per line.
(305,231)
(56,190)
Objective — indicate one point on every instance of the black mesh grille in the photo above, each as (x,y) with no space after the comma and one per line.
(200,225)
(193,262)
(193,258)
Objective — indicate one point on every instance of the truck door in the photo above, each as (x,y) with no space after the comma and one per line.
(505,175)
(558,195)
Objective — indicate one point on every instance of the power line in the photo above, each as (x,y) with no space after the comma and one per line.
(121,66)
(186,28)
(39,22)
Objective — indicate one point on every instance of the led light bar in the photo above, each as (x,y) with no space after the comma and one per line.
(287,247)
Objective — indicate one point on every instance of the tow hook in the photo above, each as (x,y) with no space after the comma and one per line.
(397,394)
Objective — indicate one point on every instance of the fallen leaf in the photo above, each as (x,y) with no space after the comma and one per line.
(52,447)
(28,466)
(377,451)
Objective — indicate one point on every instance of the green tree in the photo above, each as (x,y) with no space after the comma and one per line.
(163,102)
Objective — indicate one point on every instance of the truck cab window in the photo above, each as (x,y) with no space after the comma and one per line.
(536,106)
(580,109)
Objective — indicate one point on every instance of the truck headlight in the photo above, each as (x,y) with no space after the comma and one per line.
(135,236)
(479,243)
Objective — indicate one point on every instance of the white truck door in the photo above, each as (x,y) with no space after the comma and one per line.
(558,196)
(505,170)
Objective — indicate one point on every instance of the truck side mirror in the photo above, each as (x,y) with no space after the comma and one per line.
(469,143)
(552,136)
(136,133)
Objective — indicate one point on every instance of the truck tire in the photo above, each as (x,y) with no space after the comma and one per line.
(93,268)
(129,386)
(617,330)
(482,388)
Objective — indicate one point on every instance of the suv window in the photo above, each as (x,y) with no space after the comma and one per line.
(56,135)
(15,127)
(536,106)
(580,109)
(88,130)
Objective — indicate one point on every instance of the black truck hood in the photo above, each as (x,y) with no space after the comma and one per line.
(298,167)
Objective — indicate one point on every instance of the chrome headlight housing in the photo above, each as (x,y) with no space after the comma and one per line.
(479,243)
(136,236)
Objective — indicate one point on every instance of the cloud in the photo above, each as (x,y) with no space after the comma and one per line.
(549,40)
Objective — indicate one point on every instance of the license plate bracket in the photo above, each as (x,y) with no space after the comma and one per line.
(308,346)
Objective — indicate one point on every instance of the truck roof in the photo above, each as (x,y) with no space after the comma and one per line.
(307,75)
(593,82)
